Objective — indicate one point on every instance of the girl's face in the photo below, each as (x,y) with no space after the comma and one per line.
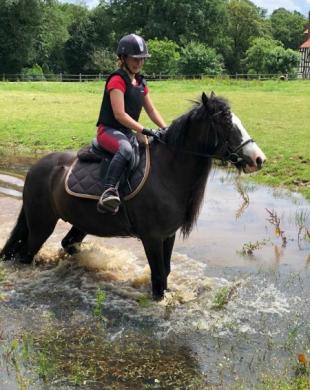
(134,64)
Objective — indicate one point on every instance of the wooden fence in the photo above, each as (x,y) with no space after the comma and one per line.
(64,77)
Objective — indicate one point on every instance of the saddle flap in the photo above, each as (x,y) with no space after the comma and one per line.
(85,177)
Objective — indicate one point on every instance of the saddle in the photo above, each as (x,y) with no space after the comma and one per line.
(85,176)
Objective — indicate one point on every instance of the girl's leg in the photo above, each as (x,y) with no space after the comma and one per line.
(115,142)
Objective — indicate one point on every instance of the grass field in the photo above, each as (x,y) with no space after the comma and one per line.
(58,116)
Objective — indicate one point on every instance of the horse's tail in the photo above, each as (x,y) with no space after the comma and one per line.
(17,239)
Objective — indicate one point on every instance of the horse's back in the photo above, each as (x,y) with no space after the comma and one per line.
(42,175)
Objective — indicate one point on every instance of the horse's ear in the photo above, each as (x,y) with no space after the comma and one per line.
(204,99)
(212,95)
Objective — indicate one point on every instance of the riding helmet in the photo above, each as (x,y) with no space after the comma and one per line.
(132,45)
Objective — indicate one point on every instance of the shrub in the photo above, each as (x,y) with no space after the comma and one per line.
(197,58)
(269,56)
(34,73)
(104,60)
(164,58)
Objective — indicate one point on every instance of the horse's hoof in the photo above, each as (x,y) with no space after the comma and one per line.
(158,296)
(6,256)
(24,259)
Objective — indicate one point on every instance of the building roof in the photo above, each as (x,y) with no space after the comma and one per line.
(306,45)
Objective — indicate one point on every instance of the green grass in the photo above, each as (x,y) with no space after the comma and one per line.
(57,116)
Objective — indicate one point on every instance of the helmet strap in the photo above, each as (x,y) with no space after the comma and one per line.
(124,62)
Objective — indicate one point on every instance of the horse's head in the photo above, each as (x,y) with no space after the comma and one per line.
(231,141)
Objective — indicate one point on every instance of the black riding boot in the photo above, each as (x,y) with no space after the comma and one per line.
(109,201)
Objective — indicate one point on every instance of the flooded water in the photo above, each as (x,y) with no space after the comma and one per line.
(237,310)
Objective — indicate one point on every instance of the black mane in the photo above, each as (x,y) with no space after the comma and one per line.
(203,113)
(208,118)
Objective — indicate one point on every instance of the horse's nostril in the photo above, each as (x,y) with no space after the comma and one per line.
(259,161)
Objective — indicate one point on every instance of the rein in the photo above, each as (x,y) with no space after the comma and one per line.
(233,156)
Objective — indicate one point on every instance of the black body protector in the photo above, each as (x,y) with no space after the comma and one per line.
(133,100)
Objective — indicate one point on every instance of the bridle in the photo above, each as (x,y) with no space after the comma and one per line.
(232,156)
(225,153)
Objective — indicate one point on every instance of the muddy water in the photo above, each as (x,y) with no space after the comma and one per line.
(238,308)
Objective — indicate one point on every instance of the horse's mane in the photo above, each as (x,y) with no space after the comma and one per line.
(206,117)
(200,112)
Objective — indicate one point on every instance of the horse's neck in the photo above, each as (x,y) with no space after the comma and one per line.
(179,170)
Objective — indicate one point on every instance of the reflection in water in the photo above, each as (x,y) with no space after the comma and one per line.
(228,317)
(11,185)
(10,192)
(11,180)
(242,190)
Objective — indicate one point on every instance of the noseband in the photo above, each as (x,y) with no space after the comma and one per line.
(233,156)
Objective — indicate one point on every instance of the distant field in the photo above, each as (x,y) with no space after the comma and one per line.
(58,116)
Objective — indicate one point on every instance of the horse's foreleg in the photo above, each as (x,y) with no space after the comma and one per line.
(71,241)
(168,246)
(154,250)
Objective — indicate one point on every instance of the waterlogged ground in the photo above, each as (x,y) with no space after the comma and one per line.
(237,313)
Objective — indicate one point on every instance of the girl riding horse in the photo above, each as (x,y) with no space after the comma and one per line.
(124,96)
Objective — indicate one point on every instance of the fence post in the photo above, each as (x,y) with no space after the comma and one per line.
(80,77)
(3,76)
(60,76)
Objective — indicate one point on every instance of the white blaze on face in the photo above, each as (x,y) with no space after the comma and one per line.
(250,150)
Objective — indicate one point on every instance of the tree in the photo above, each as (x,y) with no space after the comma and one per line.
(268,56)
(245,23)
(19,25)
(79,48)
(196,58)
(183,21)
(288,27)
(178,20)
(105,37)
(164,58)
(53,33)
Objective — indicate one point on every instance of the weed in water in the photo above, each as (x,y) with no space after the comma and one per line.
(79,373)
(302,220)
(100,299)
(275,221)
(249,247)
(12,356)
(2,274)
(45,367)
(244,195)
(292,337)
(144,301)
(223,295)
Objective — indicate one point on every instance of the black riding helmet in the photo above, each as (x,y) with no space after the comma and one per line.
(132,45)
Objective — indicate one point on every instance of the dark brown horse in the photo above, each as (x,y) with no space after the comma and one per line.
(170,199)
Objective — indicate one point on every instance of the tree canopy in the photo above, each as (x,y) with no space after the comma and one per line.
(267,55)
(200,36)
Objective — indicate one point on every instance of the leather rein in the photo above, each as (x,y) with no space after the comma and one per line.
(228,155)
